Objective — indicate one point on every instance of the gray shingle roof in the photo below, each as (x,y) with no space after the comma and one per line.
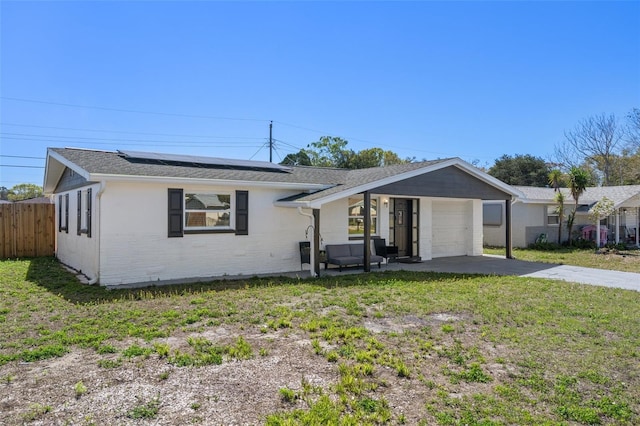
(620,195)
(114,163)
(318,182)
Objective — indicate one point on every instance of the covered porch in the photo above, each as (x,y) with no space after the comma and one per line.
(437,213)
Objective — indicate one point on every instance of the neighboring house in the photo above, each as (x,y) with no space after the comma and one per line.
(134,217)
(535,214)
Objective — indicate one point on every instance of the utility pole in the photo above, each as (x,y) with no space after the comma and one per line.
(271,141)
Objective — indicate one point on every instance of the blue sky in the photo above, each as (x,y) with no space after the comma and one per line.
(424,79)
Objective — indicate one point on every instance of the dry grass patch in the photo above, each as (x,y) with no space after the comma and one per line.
(390,348)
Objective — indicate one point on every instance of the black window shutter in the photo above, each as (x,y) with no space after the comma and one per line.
(89,212)
(79,212)
(176,221)
(66,213)
(59,213)
(242,212)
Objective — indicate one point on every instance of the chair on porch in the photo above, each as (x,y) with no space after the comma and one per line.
(382,249)
(305,253)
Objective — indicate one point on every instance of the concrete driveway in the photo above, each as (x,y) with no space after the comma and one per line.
(499,265)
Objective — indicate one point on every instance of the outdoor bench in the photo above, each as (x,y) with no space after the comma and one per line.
(348,254)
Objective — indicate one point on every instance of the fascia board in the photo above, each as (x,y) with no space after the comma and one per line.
(73,166)
(537,201)
(219,182)
(374,184)
(412,173)
(487,178)
(52,173)
(293,204)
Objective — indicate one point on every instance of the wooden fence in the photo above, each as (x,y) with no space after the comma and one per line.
(27,230)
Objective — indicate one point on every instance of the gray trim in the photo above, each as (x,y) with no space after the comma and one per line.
(70,180)
(450,182)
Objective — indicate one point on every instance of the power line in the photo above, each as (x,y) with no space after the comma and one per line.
(258,151)
(23,167)
(130,110)
(127,132)
(22,156)
(80,142)
(74,138)
(346,137)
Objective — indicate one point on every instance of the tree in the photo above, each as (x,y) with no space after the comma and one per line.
(300,158)
(596,139)
(24,191)
(525,170)
(578,181)
(4,193)
(330,151)
(560,212)
(633,128)
(556,179)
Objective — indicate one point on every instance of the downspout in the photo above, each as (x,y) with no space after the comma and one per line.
(97,209)
(312,253)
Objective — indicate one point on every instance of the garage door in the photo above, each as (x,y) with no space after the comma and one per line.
(450,219)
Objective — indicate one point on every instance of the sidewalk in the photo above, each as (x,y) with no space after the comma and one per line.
(499,265)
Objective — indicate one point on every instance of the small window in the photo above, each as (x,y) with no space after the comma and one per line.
(63,213)
(552,215)
(492,214)
(205,211)
(356,216)
(84,212)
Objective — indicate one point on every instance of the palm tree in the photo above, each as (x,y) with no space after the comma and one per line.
(556,179)
(560,211)
(578,181)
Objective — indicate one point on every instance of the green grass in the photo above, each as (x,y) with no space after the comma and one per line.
(523,351)
(147,410)
(627,260)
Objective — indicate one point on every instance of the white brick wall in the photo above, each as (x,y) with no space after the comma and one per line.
(78,251)
(135,247)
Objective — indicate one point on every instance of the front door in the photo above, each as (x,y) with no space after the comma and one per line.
(402,226)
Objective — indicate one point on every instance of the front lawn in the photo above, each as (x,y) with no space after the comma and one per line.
(383,348)
(626,260)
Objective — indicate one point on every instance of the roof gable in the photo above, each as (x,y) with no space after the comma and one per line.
(450,181)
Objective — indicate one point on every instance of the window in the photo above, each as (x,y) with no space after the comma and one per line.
(552,215)
(492,214)
(207,211)
(356,216)
(203,212)
(84,213)
(63,213)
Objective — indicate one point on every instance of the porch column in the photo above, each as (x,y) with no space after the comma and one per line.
(507,237)
(316,241)
(367,231)
(617,226)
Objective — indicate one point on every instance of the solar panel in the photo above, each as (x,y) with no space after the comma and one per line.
(209,161)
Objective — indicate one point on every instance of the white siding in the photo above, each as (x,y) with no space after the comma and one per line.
(334,222)
(135,247)
(494,235)
(474,242)
(79,251)
(425,244)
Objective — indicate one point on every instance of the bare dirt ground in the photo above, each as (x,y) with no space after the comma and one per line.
(234,393)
